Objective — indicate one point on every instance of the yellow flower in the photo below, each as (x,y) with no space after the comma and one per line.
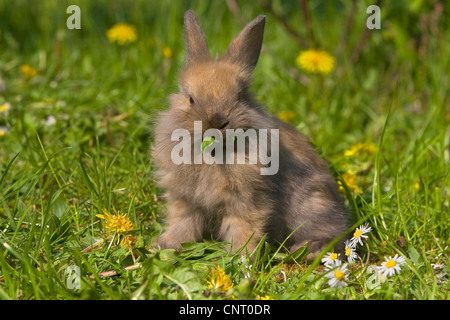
(266,297)
(218,279)
(128,241)
(3,131)
(350,180)
(4,108)
(167,52)
(316,61)
(28,71)
(417,185)
(286,115)
(116,222)
(359,148)
(122,33)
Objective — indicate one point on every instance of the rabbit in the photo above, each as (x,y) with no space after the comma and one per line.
(235,202)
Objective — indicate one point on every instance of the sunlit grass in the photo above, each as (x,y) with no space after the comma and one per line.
(76,132)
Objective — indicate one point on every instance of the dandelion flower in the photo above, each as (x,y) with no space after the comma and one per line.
(359,148)
(391,265)
(338,275)
(266,297)
(4,108)
(417,185)
(286,115)
(128,241)
(218,279)
(316,61)
(122,33)
(116,222)
(28,71)
(350,252)
(359,234)
(330,258)
(167,52)
(350,180)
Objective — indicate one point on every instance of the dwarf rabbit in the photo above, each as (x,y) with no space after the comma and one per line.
(235,202)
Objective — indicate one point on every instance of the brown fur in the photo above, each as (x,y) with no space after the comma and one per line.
(233,202)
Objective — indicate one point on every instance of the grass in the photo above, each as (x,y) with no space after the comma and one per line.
(77,139)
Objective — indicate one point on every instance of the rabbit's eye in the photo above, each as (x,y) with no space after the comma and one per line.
(191,100)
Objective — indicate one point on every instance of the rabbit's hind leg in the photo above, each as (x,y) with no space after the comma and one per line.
(238,231)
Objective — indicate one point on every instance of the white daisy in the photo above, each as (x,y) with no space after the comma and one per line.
(391,265)
(359,234)
(51,120)
(330,258)
(247,266)
(437,266)
(338,275)
(350,252)
(3,131)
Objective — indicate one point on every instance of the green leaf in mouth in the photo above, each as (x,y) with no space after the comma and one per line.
(206,142)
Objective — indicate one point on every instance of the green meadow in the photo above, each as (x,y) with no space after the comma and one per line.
(76,115)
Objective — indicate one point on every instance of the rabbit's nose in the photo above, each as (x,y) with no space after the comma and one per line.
(218,121)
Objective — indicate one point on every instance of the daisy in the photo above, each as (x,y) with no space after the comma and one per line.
(4,108)
(350,252)
(391,266)
(437,266)
(316,61)
(247,266)
(359,234)
(51,120)
(122,33)
(330,259)
(3,131)
(218,279)
(338,275)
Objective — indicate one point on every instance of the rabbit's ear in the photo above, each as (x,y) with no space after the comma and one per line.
(196,48)
(245,48)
